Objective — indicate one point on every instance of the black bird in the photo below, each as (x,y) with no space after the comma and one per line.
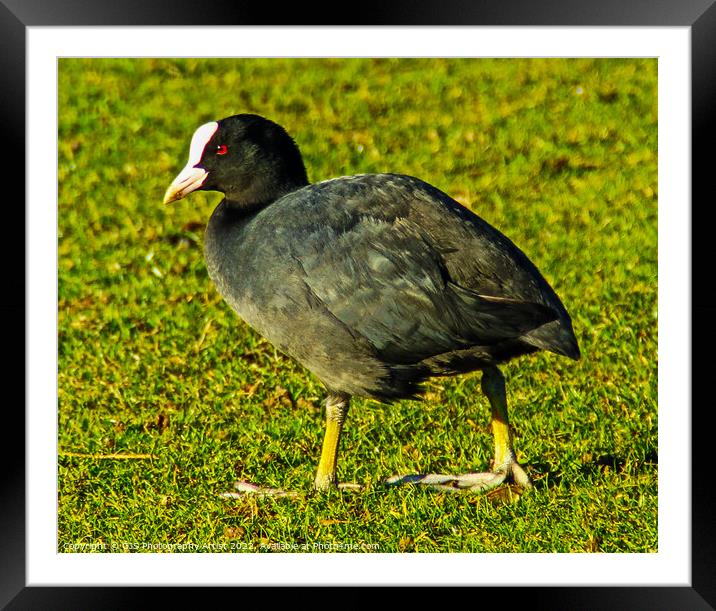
(373,282)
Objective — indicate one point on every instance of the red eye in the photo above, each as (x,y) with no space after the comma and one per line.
(221,149)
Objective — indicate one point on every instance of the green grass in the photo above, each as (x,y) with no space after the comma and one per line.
(561,155)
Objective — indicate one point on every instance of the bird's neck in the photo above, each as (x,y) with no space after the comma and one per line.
(263,190)
(233,212)
(223,236)
(234,209)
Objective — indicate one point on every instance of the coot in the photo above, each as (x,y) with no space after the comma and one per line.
(373,282)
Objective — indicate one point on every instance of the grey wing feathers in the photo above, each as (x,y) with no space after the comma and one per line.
(385,281)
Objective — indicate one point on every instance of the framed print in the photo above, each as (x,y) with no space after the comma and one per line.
(171,443)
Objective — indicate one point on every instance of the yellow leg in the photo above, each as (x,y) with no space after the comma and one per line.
(493,385)
(505,467)
(336,411)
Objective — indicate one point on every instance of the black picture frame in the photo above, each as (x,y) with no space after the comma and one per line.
(698,15)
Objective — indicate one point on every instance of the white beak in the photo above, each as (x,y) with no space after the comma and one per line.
(191,177)
(188,180)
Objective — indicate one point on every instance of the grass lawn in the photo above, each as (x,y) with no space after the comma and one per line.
(166,397)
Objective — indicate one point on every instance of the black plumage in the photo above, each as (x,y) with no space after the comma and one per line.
(373,282)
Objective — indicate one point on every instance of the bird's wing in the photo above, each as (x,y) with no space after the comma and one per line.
(476,255)
(386,280)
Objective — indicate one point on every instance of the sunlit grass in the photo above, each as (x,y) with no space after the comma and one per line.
(166,397)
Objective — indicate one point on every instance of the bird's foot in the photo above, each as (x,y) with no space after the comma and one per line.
(349,486)
(512,472)
(244,489)
(325,484)
(517,475)
(247,488)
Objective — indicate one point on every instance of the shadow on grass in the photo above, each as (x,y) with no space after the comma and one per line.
(546,477)
(618,464)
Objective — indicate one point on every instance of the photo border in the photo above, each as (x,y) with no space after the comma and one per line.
(17,15)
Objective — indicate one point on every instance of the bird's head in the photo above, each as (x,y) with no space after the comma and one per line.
(248,158)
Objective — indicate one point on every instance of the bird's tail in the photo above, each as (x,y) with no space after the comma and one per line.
(556,336)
